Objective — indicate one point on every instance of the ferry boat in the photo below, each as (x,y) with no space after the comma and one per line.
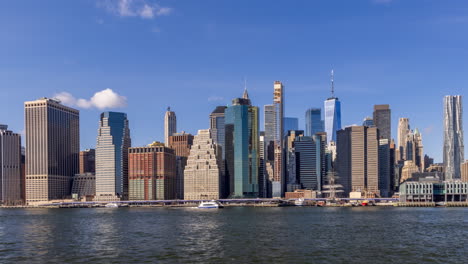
(111,205)
(209,205)
(299,202)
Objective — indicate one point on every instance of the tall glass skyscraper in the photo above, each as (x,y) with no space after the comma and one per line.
(313,121)
(242,147)
(332,114)
(453,136)
(112,146)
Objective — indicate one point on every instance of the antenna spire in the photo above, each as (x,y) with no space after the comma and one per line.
(245,95)
(332,84)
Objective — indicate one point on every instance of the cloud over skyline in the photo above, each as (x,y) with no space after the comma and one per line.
(101,100)
(145,9)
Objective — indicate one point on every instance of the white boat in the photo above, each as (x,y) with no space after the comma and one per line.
(111,205)
(209,205)
(299,202)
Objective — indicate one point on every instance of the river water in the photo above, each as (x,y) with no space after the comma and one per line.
(234,235)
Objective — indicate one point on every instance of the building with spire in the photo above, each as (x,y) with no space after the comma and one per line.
(332,108)
(170,125)
(453,136)
(203,176)
(242,147)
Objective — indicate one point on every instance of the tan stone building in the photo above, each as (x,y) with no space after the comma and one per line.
(408,169)
(464,171)
(180,143)
(52,149)
(202,175)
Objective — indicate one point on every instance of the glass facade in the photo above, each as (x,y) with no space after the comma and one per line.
(453,137)
(332,118)
(313,121)
(112,146)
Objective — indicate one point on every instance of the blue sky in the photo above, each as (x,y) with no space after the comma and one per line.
(193,56)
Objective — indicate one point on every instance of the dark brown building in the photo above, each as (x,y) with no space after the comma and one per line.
(87,161)
(181,144)
(151,173)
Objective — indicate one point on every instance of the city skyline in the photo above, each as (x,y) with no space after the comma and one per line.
(367,71)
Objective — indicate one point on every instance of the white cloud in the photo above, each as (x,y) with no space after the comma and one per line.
(101,100)
(145,9)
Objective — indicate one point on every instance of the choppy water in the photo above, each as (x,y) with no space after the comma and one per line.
(234,235)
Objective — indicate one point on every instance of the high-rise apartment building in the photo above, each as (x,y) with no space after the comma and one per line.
(453,136)
(383,120)
(203,177)
(358,159)
(112,146)
(10,167)
(313,122)
(262,174)
(290,123)
(88,161)
(332,108)
(242,148)
(52,149)
(170,125)
(403,131)
(278,182)
(152,173)
(180,143)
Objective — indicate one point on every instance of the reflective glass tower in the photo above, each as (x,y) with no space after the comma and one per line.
(242,147)
(453,136)
(313,121)
(112,146)
(332,114)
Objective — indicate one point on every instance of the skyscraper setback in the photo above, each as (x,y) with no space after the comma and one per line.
(332,113)
(112,146)
(52,147)
(170,125)
(453,136)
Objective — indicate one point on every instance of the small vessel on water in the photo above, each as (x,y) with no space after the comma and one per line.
(299,202)
(209,205)
(111,205)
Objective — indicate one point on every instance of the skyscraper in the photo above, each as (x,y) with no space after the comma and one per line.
(88,161)
(308,163)
(385,165)
(368,122)
(180,143)
(358,159)
(290,123)
(262,174)
(464,171)
(52,149)
(217,130)
(278,183)
(453,136)
(152,173)
(313,121)
(332,114)
(203,177)
(403,130)
(170,125)
(10,167)
(112,146)
(242,147)
(382,120)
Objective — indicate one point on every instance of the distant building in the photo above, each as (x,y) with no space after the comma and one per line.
(436,167)
(368,122)
(180,143)
(203,176)
(382,120)
(84,185)
(87,161)
(278,184)
(428,161)
(453,136)
(308,163)
(112,146)
(170,125)
(242,147)
(385,166)
(464,171)
(358,159)
(434,190)
(290,123)
(217,130)
(298,193)
(10,167)
(407,171)
(292,181)
(313,122)
(403,131)
(332,108)
(52,149)
(152,173)
(262,174)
